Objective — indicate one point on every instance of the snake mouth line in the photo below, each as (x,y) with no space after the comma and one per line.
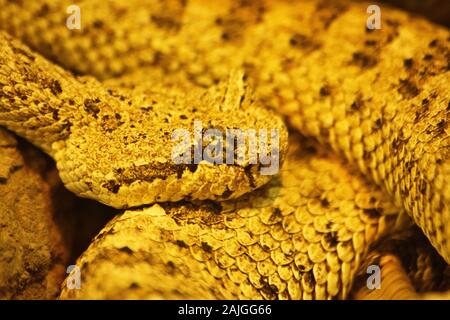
(151,172)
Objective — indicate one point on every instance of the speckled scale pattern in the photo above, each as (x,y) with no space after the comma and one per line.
(42,25)
(381,100)
(410,269)
(303,236)
(115,144)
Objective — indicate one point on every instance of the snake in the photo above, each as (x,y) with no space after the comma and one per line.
(376,99)
(122,126)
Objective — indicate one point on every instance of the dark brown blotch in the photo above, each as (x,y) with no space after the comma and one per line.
(433,43)
(44,10)
(408,63)
(98,24)
(277,212)
(126,250)
(408,89)
(165,22)
(303,42)
(373,213)
(91,107)
(357,104)
(325,90)
(270,290)
(309,279)
(112,186)
(325,203)
(181,244)
(24,53)
(134,286)
(378,124)
(55,114)
(206,247)
(331,239)
(248,173)
(55,87)
(364,60)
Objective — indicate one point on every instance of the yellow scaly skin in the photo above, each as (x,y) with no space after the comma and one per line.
(303,236)
(379,98)
(116,146)
(410,269)
(301,67)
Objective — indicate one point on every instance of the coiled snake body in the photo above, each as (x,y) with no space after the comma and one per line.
(378,99)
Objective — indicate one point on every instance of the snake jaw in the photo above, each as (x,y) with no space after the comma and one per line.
(139,185)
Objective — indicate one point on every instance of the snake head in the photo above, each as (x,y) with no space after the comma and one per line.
(129,148)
